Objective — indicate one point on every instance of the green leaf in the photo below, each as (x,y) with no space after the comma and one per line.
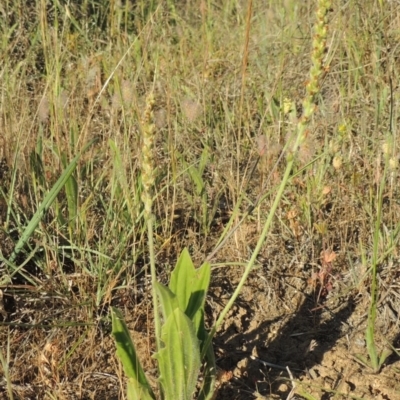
(138,387)
(47,202)
(195,174)
(168,300)
(307,395)
(210,374)
(37,168)
(275,108)
(179,359)
(205,156)
(180,277)
(384,355)
(186,293)
(190,284)
(197,179)
(370,341)
(71,190)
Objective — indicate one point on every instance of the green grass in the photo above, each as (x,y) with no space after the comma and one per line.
(73,73)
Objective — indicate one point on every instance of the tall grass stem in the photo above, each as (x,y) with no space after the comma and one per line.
(313,88)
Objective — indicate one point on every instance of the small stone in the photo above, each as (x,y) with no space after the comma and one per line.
(283,388)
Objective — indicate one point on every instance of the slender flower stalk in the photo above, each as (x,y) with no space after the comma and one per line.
(147,164)
(317,71)
(313,87)
(147,169)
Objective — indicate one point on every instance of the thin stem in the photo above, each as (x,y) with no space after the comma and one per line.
(312,89)
(370,333)
(157,320)
(254,255)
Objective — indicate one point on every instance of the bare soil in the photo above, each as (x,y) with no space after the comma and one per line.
(287,335)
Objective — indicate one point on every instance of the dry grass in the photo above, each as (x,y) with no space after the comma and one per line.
(73,73)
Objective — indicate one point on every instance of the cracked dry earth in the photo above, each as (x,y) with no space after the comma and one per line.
(284,339)
(287,336)
(298,344)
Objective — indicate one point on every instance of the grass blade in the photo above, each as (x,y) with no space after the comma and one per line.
(138,386)
(47,202)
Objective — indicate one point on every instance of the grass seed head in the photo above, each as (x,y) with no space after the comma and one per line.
(393,163)
(337,162)
(147,167)
(386,148)
(317,70)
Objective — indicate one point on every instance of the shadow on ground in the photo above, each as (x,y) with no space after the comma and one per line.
(298,341)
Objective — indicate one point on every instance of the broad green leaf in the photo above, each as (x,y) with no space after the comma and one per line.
(199,286)
(138,386)
(181,276)
(179,359)
(168,300)
(190,284)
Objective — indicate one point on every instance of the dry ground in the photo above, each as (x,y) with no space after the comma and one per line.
(299,324)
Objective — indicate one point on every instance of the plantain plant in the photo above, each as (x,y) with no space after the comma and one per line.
(182,333)
(183,345)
